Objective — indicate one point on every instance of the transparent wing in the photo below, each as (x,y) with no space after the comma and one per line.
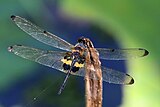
(40,34)
(48,58)
(111,76)
(121,54)
(116,77)
(53,59)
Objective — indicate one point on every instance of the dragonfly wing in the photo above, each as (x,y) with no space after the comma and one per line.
(53,59)
(40,34)
(48,58)
(121,54)
(109,75)
(116,77)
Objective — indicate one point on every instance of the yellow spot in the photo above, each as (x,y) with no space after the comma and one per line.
(78,65)
(66,62)
(70,61)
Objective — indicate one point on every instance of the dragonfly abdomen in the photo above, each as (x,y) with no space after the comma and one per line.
(67,60)
(67,67)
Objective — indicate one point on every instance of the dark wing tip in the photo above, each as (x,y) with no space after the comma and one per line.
(10,48)
(145,52)
(44,31)
(131,80)
(13,17)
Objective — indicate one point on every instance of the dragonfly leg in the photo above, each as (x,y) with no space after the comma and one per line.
(64,83)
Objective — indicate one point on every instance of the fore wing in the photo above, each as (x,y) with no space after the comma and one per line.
(121,54)
(40,34)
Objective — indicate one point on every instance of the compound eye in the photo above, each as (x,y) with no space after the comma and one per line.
(81,40)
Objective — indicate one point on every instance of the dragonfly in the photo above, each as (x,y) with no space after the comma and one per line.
(71,60)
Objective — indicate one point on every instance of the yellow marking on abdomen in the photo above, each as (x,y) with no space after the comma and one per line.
(70,61)
(78,65)
(66,62)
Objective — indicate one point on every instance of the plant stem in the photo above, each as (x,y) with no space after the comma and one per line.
(93,77)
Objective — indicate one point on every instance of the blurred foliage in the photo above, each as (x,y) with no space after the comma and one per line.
(134,24)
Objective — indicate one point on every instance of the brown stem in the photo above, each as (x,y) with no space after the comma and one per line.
(93,77)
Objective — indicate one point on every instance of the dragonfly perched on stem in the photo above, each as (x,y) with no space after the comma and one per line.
(72,61)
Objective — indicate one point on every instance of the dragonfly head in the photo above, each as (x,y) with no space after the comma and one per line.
(85,42)
(81,39)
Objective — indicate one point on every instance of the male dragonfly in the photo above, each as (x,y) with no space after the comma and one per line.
(72,61)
